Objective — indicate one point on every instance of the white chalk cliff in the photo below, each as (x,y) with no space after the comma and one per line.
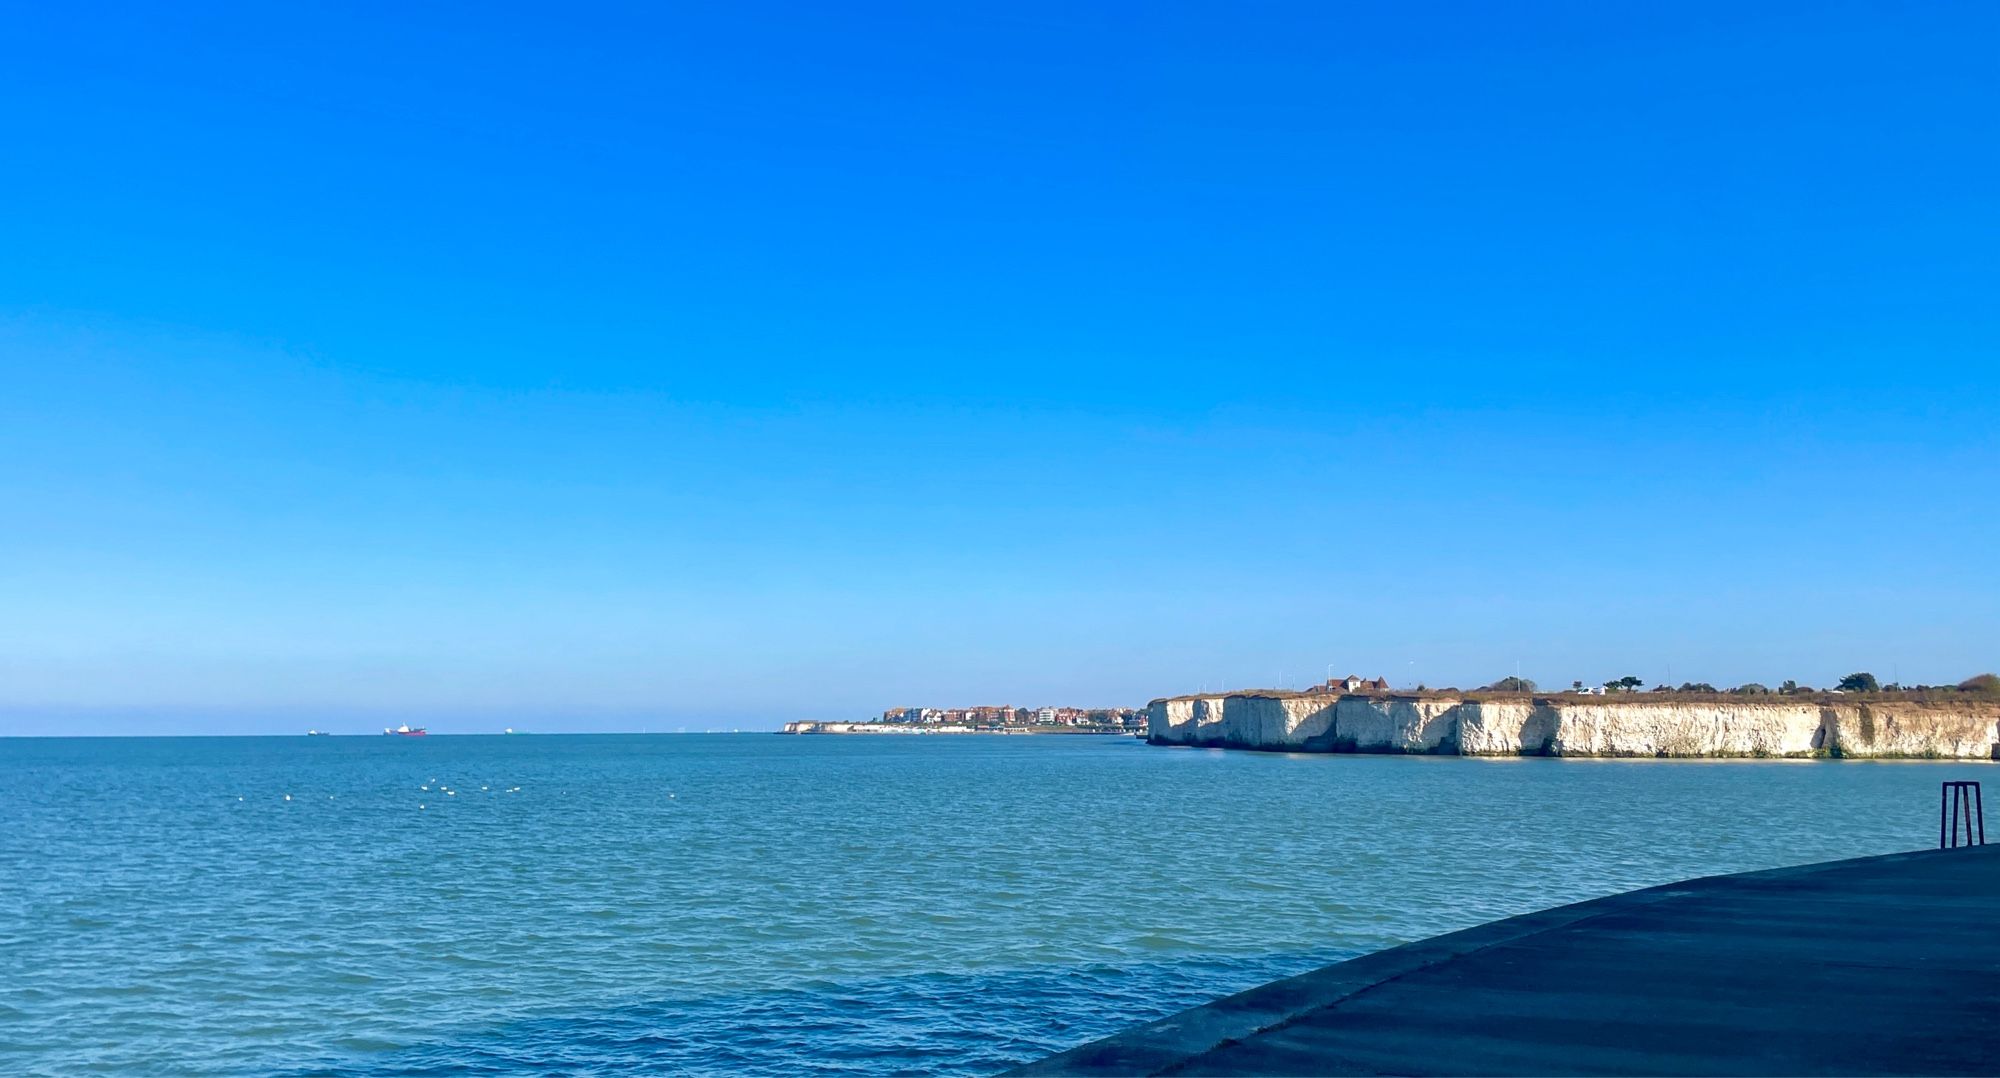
(1637,725)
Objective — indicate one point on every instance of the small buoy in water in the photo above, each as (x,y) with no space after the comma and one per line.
(482,789)
(451,793)
(420,806)
(239,799)
(288,797)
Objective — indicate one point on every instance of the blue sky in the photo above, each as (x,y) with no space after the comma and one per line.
(618,367)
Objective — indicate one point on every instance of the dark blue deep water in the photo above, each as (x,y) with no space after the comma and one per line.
(766,904)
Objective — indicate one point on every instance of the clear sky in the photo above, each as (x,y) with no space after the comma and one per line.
(647,366)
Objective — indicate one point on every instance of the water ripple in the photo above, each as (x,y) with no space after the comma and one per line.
(766,904)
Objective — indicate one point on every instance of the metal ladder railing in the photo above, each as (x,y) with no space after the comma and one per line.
(1959,803)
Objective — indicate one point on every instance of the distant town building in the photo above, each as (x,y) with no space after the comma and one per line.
(995,717)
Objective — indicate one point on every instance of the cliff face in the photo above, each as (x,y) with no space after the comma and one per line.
(1672,729)
(1892,730)
(1564,727)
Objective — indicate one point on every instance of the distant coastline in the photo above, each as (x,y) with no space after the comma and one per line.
(986,719)
(913,729)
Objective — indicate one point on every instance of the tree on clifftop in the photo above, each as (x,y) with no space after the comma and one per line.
(1862,682)
(1628,683)
(1511,684)
(1986,684)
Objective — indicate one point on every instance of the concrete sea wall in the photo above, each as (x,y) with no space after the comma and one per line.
(1568,726)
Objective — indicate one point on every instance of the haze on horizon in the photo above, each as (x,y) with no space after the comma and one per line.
(715,368)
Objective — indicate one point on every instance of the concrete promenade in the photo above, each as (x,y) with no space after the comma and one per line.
(1878,965)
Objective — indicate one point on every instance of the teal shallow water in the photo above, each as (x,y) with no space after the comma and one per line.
(757,903)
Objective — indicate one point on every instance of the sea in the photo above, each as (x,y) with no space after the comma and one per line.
(763,904)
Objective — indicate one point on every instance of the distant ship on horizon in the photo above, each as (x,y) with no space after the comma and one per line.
(315,733)
(405,730)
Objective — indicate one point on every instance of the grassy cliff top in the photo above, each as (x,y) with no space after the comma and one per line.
(1928,698)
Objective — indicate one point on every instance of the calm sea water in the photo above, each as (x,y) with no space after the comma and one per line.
(766,904)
